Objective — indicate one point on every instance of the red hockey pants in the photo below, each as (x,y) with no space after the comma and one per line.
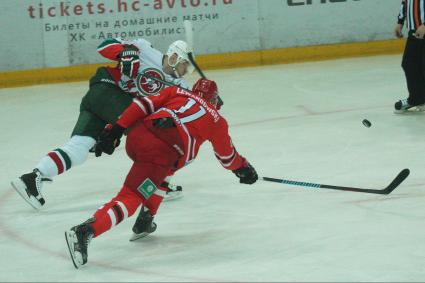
(153,161)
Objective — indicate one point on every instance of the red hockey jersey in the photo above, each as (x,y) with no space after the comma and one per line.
(196,120)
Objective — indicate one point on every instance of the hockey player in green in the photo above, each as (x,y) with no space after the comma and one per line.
(111,91)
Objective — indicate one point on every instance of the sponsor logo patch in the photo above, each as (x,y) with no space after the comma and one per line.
(147,188)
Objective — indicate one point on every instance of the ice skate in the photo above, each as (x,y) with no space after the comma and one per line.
(144,225)
(78,239)
(29,188)
(173,191)
(403,106)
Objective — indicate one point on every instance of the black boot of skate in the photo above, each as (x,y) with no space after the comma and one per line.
(144,225)
(402,106)
(78,239)
(29,188)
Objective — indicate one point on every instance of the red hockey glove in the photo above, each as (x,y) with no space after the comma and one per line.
(246,174)
(129,61)
(108,139)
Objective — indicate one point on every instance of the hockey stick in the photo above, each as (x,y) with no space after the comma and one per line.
(391,187)
(189,39)
(163,81)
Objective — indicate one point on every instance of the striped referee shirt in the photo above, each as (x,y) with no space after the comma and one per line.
(414,12)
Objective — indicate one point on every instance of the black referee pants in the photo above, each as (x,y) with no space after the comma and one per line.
(413,65)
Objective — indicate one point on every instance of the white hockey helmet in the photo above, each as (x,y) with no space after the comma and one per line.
(181,48)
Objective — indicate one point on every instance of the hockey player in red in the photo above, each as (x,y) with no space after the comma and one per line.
(166,132)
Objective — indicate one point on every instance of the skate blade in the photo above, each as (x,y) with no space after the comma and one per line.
(21,189)
(136,237)
(70,240)
(173,196)
(413,110)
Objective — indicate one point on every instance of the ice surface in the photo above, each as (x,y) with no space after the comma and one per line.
(298,121)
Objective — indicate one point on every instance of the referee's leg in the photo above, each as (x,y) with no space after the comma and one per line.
(413,65)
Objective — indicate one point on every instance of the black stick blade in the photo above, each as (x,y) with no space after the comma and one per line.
(397,181)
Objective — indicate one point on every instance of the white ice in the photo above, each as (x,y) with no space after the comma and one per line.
(299,121)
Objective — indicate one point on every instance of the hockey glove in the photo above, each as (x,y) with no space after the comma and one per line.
(129,61)
(246,174)
(108,139)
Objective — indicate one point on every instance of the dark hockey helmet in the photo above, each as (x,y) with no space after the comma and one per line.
(208,90)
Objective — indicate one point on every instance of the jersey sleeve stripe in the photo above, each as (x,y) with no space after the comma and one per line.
(225,157)
(227,163)
(151,106)
(139,103)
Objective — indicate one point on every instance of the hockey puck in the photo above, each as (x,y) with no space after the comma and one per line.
(366,123)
